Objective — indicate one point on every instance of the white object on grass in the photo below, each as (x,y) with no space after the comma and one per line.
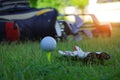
(78,52)
(48,43)
(68,53)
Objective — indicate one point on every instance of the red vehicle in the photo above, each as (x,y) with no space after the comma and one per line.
(91,23)
(97,28)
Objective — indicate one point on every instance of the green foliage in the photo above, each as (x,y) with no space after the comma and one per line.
(33,3)
(46,3)
(79,3)
(58,3)
(27,61)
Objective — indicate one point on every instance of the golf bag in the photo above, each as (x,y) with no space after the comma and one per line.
(27,23)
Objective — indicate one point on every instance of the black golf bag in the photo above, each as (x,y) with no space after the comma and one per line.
(27,23)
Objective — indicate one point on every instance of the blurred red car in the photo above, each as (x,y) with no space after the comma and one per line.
(91,23)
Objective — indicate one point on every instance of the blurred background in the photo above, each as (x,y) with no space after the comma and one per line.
(105,10)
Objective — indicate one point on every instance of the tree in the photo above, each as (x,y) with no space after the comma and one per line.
(47,3)
(81,4)
(33,3)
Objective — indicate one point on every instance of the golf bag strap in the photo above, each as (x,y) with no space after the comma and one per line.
(12,31)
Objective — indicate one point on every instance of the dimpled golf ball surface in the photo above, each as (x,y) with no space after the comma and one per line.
(48,43)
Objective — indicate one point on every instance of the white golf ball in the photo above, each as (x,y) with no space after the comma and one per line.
(48,43)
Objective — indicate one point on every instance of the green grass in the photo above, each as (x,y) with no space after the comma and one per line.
(26,61)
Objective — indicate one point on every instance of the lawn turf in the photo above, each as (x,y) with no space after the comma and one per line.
(26,60)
